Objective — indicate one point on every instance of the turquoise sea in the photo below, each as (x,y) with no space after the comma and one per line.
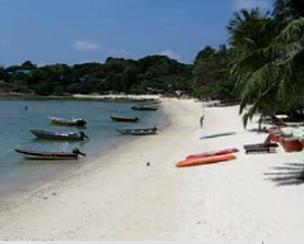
(18,174)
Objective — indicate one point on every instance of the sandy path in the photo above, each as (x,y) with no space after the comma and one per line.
(119,198)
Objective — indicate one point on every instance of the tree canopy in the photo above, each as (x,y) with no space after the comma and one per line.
(115,75)
(268,59)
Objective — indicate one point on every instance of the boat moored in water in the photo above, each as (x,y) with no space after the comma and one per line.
(152,107)
(50,135)
(138,132)
(68,122)
(50,155)
(124,119)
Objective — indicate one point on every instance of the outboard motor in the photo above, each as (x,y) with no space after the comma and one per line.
(83,135)
(76,150)
(81,122)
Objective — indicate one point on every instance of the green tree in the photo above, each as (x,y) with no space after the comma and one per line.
(266,64)
(286,10)
(28,65)
(210,74)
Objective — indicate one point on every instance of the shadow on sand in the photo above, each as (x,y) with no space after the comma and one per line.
(290,174)
(258,131)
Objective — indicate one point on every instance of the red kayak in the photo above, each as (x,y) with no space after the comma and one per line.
(213,153)
(205,160)
(124,119)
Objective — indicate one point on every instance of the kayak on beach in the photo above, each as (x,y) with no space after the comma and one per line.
(213,153)
(205,160)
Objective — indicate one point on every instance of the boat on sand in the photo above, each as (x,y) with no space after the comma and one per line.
(213,153)
(50,135)
(205,160)
(50,155)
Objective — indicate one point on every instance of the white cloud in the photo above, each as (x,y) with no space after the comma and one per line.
(169,53)
(249,4)
(87,46)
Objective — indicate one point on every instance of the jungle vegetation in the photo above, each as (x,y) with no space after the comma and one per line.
(261,65)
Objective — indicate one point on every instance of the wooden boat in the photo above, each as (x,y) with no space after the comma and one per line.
(124,119)
(68,122)
(138,132)
(157,101)
(145,107)
(51,155)
(205,160)
(50,135)
(213,153)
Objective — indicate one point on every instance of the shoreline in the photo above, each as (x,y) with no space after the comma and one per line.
(11,198)
(110,97)
(120,198)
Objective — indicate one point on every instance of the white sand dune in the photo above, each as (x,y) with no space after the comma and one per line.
(119,198)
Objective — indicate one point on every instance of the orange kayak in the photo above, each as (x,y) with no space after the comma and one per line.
(213,153)
(205,160)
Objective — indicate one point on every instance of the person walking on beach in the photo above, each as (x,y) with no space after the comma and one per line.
(202,121)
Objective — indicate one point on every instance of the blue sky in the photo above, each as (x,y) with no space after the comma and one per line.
(77,31)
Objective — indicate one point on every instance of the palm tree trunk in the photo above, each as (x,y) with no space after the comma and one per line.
(260,122)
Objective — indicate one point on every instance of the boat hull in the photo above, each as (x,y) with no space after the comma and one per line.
(137,132)
(215,153)
(47,155)
(66,122)
(125,119)
(56,136)
(205,160)
(144,108)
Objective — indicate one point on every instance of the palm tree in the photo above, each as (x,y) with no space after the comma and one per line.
(248,30)
(286,10)
(267,65)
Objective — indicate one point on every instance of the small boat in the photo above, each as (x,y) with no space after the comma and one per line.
(68,122)
(145,107)
(156,101)
(50,155)
(213,153)
(205,160)
(124,119)
(138,132)
(73,136)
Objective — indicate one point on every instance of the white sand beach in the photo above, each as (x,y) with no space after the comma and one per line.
(118,197)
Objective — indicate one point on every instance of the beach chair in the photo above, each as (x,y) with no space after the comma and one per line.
(261,150)
(266,144)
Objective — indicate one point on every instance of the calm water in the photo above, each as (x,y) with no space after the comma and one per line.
(18,174)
